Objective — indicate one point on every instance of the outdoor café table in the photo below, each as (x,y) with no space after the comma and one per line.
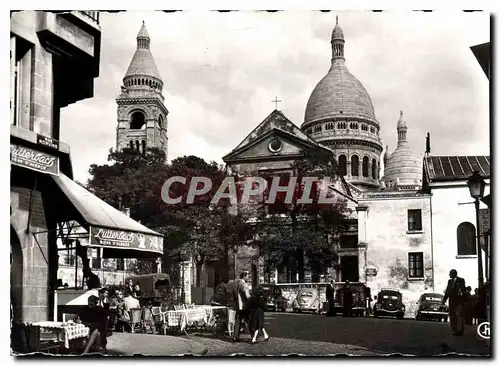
(210,310)
(66,331)
(181,318)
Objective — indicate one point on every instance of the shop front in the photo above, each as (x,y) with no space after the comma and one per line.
(44,203)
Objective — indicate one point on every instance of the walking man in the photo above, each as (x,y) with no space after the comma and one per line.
(330,297)
(241,296)
(347,299)
(455,292)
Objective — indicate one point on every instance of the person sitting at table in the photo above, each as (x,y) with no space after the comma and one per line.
(104,298)
(95,318)
(135,291)
(130,301)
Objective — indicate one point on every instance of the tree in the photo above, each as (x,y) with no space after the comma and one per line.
(302,236)
(198,230)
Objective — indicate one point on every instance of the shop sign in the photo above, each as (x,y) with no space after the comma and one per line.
(112,238)
(35,160)
(47,141)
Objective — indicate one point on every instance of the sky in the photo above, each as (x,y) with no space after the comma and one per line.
(221,72)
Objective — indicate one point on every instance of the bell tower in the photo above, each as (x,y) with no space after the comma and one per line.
(142,115)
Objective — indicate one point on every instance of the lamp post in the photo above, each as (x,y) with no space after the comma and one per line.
(476,185)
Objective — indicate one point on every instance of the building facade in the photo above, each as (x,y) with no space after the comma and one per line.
(454,227)
(54,61)
(142,114)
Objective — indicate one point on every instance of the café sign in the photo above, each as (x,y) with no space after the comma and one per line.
(35,160)
(111,238)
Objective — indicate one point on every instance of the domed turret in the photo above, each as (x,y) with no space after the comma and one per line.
(403,166)
(142,71)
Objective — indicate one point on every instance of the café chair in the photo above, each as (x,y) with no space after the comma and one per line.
(148,320)
(135,319)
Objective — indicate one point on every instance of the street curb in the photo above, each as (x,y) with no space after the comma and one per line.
(199,350)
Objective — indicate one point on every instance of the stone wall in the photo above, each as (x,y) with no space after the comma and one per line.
(29,287)
(388,243)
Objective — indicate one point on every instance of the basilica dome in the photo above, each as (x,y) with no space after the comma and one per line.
(339,94)
(340,115)
(403,166)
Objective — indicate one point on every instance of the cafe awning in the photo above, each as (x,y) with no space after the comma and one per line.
(119,235)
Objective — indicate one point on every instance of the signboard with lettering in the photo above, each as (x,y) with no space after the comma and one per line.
(111,238)
(47,141)
(35,160)
(484,220)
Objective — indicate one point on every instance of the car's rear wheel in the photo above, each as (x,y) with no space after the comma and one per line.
(400,316)
(375,314)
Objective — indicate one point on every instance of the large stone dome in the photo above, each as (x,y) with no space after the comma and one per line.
(340,115)
(339,94)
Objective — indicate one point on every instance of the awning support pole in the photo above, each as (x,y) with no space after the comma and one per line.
(30,208)
(40,247)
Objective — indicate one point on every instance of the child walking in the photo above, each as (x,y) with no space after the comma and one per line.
(257,306)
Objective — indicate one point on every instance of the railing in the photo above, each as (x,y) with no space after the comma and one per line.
(94,15)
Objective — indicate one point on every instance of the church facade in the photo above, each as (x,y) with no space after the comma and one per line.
(389,240)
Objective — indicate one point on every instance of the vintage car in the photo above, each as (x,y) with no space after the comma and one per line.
(430,308)
(152,286)
(389,303)
(358,300)
(307,300)
(274,298)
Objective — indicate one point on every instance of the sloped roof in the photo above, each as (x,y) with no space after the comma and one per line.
(455,167)
(275,120)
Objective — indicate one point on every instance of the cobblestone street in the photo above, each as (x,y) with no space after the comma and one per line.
(319,335)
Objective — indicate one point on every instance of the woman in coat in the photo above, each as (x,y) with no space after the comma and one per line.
(257,306)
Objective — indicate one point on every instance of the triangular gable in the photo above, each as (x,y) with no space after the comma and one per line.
(253,149)
(275,120)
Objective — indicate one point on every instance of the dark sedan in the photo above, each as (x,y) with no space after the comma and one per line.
(430,308)
(275,301)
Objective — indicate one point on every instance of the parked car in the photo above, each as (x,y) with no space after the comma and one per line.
(430,308)
(389,303)
(275,301)
(358,300)
(307,300)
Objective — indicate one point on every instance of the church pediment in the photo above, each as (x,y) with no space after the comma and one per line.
(274,144)
(274,137)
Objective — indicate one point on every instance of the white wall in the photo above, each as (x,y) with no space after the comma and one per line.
(388,243)
(447,214)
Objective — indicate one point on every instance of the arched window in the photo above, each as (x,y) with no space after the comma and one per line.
(354,166)
(374,169)
(131,145)
(365,166)
(160,121)
(138,121)
(143,143)
(342,165)
(466,239)
(137,145)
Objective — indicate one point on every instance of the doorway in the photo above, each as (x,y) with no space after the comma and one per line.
(349,268)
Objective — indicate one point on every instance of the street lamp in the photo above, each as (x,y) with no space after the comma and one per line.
(476,185)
